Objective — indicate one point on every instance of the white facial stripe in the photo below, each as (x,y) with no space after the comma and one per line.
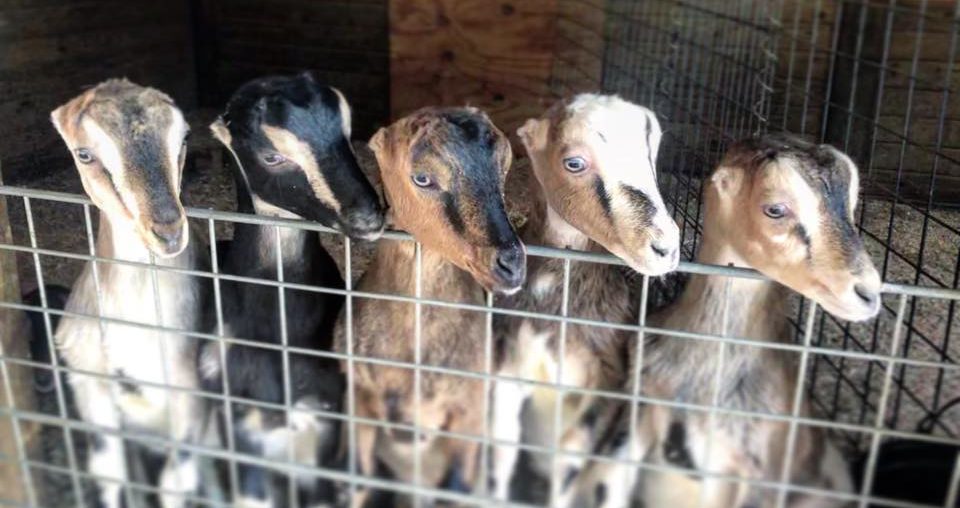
(174,138)
(296,150)
(104,148)
(854,181)
(806,203)
(344,113)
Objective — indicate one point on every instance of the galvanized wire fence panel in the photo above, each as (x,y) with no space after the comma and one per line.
(64,430)
(877,79)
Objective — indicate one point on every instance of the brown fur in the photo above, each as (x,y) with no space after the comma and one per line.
(135,118)
(570,212)
(449,338)
(738,232)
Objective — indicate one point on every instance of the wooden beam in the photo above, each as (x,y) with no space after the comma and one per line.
(13,343)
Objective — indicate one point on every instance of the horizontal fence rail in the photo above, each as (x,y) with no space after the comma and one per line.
(873,433)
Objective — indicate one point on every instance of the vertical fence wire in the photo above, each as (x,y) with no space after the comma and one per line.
(715,396)
(417,375)
(878,424)
(287,385)
(796,405)
(556,484)
(227,404)
(351,393)
(19,443)
(901,157)
(637,386)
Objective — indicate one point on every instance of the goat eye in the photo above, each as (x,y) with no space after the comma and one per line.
(422,180)
(84,156)
(272,159)
(777,211)
(574,164)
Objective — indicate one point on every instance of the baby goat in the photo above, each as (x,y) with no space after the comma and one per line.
(443,171)
(128,145)
(290,137)
(594,160)
(784,207)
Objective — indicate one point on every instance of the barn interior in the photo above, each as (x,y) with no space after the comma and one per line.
(877,79)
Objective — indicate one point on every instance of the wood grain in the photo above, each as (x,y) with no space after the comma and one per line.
(496,56)
(13,343)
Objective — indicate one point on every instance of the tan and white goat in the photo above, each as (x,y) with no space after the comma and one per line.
(594,160)
(442,171)
(784,207)
(128,145)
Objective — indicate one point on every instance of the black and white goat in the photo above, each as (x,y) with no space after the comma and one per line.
(290,138)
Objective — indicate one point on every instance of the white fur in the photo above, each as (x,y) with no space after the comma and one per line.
(103,147)
(174,139)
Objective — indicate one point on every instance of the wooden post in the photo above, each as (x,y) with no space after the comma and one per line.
(14,333)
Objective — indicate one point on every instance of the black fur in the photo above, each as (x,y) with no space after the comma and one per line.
(675,447)
(641,203)
(460,137)
(601,190)
(252,311)
(311,111)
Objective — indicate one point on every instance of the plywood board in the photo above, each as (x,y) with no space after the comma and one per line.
(494,55)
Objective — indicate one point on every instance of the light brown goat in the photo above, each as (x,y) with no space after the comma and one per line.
(784,207)
(593,157)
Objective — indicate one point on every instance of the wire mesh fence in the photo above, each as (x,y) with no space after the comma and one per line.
(41,471)
(876,79)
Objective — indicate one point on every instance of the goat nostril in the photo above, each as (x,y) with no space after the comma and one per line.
(510,261)
(166,232)
(659,250)
(868,296)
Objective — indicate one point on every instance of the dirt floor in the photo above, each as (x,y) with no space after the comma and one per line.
(846,390)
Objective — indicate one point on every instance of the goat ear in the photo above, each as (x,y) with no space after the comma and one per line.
(379,141)
(220,131)
(58,120)
(533,134)
(726,180)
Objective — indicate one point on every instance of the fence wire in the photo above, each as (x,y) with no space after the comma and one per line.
(874,432)
(877,79)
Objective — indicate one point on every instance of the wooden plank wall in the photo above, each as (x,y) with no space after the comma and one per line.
(13,343)
(50,50)
(494,55)
(343,42)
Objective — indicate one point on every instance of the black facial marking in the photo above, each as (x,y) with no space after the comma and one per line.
(642,204)
(801,233)
(601,191)
(97,442)
(452,211)
(311,112)
(571,475)
(649,131)
(467,139)
(600,494)
(126,385)
(675,447)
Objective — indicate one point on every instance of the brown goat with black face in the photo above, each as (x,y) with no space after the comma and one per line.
(784,207)
(442,171)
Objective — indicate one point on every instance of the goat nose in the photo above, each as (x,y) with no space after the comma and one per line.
(510,266)
(365,224)
(867,295)
(168,232)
